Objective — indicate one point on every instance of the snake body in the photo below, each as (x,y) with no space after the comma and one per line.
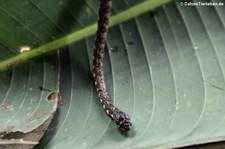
(118,116)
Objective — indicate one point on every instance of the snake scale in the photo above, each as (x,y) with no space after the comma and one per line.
(118,116)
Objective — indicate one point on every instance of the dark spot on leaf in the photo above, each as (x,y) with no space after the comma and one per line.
(130,43)
(44,89)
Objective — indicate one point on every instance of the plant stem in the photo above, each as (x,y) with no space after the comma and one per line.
(81,34)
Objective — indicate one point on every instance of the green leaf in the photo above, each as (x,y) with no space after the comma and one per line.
(26,111)
(75,36)
(164,66)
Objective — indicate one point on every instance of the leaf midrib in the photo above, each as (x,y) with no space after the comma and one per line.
(81,34)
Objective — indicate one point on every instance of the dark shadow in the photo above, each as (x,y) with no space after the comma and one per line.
(216,145)
(128,134)
(67,21)
(50,132)
(66,87)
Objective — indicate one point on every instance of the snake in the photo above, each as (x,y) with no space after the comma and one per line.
(118,116)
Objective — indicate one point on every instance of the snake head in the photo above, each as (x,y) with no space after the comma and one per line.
(123,120)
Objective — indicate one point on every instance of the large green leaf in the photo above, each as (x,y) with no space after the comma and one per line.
(164,67)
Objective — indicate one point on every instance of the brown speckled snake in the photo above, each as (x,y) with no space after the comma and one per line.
(119,117)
